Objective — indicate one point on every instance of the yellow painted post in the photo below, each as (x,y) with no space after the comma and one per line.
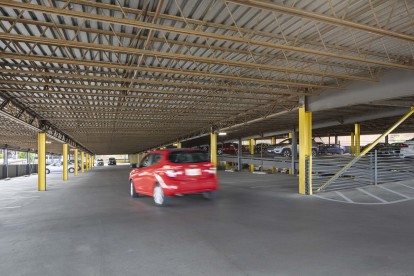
(352,143)
(178,145)
(76,162)
(41,161)
(213,148)
(309,147)
(290,135)
(227,165)
(251,150)
(82,161)
(357,139)
(92,161)
(65,161)
(302,150)
(274,170)
(87,161)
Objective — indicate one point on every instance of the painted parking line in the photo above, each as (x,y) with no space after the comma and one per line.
(10,207)
(405,185)
(344,197)
(374,196)
(397,193)
(17,198)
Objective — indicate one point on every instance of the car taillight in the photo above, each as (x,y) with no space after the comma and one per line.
(212,170)
(170,171)
(404,146)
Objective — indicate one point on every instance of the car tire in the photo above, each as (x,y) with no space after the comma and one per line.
(211,195)
(47,171)
(342,151)
(71,170)
(133,193)
(160,199)
(314,152)
(219,152)
(286,153)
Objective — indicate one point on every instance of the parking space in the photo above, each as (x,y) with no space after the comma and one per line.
(259,225)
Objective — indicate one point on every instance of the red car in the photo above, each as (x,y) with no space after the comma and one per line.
(165,173)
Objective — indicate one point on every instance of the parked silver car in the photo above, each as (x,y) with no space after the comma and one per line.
(284,148)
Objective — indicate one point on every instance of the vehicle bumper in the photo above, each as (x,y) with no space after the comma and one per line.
(174,187)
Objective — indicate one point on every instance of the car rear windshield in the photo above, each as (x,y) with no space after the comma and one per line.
(196,156)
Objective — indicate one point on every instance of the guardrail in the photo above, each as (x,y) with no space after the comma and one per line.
(276,162)
(371,169)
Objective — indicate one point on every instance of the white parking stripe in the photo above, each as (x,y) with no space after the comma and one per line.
(344,197)
(10,207)
(397,193)
(405,185)
(374,196)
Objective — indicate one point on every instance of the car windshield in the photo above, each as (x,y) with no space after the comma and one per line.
(195,156)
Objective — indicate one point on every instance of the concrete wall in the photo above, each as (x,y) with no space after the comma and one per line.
(16,170)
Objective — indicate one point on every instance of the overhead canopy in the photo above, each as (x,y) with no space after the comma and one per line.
(126,76)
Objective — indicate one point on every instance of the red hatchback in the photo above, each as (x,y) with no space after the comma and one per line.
(166,173)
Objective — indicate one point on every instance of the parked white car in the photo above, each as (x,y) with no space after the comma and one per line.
(284,148)
(58,167)
(407,149)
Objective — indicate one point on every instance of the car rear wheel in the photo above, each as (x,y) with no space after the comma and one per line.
(159,198)
(47,171)
(132,190)
(71,170)
(286,153)
(219,152)
(342,151)
(211,195)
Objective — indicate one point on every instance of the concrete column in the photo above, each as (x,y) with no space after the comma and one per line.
(6,162)
(273,140)
(178,145)
(41,161)
(65,161)
(240,156)
(352,143)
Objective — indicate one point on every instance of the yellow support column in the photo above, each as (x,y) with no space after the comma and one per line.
(76,162)
(87,161)
(357,139)
(65,161)
(213,148)
(352,143)
(178,145)
(303,132)
(227,165)
(92,161)
(41,161)
(251,150)
(82,161)
(309,147)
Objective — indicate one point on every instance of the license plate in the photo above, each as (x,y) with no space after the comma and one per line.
(192,172)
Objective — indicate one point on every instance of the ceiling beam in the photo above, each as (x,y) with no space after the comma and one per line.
(197,33)
(161,70)
(175,56)
(265,5)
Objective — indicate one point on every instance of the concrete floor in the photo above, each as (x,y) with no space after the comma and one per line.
(90,225)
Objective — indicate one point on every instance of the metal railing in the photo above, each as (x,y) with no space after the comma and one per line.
(371,169)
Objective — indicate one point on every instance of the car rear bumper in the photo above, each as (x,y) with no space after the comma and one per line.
(175,187)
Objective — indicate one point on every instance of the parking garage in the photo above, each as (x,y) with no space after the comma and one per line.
(278,94)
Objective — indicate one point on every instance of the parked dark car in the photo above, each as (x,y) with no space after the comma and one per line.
(112,161)
(332,149)
(99,162)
